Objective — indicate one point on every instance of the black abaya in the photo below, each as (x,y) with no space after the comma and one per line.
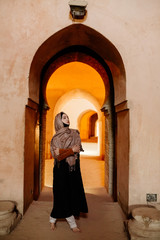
(68,192)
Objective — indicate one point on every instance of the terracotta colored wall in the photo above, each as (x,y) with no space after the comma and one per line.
(133,27)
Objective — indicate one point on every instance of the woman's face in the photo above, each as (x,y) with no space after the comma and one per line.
(65,119)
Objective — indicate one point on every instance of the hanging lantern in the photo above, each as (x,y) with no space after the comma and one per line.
(78,8)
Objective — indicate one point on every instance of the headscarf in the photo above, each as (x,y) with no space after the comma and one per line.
(65,138)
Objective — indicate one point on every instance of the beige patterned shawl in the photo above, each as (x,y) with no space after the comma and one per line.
(65,138)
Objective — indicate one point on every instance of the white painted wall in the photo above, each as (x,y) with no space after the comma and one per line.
(134,28)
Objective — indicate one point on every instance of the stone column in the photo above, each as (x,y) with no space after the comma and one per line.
(109,150)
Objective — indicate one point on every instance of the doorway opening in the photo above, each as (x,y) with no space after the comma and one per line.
(89,90)
(87,46)
(78,90)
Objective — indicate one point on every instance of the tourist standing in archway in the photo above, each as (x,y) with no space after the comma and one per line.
(68,192)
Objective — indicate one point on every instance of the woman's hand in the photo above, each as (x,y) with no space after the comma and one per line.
(76,148)
(56,151)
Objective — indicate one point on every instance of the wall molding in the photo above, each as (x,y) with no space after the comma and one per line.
(122,106)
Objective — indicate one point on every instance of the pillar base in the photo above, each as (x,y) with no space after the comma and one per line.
(9,217)
(145,224)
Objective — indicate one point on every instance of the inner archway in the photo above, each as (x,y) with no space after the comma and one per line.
(75,103)
(88,126)
(84,56)
(85,45)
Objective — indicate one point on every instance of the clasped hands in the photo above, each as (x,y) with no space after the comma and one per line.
(75,148)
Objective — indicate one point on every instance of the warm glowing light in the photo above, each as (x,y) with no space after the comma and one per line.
(76,88)
(90,149)
(75,75)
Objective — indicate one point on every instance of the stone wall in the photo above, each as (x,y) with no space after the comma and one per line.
(134,29)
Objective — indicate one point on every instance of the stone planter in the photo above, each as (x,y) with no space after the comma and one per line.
(145,224)
(9,217)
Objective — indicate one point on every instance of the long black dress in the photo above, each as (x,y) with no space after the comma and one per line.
(68,192)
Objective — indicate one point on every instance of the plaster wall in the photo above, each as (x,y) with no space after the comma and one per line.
(143,94)
(134,28)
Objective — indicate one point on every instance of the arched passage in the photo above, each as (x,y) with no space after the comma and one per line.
(81,43)
(89,131)
(94,105)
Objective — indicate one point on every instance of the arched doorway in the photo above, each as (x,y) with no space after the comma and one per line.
(81,43)
(80,95)
(76,103)
(90,122)
(83,55)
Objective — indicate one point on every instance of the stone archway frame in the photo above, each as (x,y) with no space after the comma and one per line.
(78,35)
(74,54)
(109,58)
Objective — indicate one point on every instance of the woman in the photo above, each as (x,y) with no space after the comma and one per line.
(68,192)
